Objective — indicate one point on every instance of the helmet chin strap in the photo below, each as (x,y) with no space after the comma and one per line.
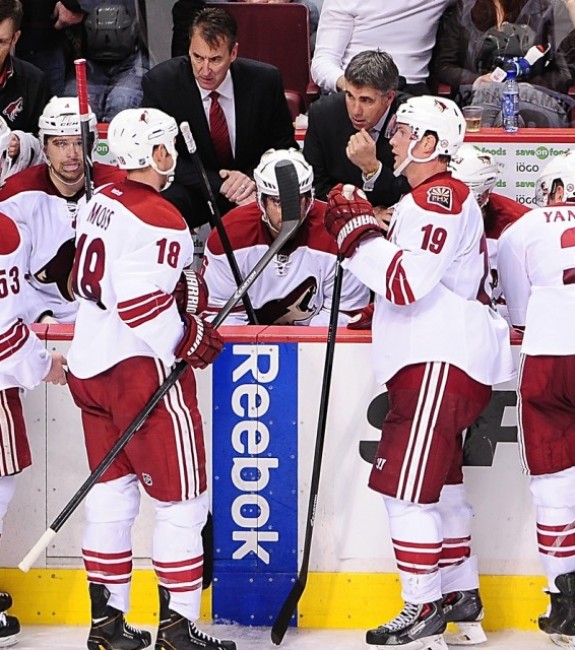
(166,172)
(411,158)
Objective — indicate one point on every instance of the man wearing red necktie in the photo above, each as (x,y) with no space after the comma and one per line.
(236,109)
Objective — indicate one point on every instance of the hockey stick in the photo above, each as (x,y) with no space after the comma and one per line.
(290,201)
(82,90)
(282,621)
(216,217)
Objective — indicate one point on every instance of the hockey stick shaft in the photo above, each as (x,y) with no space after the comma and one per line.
(216,217)
(289,196)
(82,91)
(282,621)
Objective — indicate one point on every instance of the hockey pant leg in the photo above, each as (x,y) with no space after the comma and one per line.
(111,509)
(177,552)
(458,568)
(7,488)
(554,499)
(416,536)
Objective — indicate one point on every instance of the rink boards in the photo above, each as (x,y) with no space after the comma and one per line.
(259,407)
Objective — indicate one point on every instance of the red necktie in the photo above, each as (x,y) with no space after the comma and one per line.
(219,132)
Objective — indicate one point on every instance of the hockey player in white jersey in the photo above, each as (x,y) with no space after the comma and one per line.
(537,271)
(439,347)
(297,288)
(24,363)
(44,200)
(132,246)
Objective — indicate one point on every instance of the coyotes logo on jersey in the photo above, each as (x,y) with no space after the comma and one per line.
(58,270)
(294,308)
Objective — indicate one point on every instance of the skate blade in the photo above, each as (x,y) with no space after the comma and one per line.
(427,643)
(465,633)
(562,640)
(8,640)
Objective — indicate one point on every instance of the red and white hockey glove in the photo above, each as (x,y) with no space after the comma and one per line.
(361,320)
(191,293)
(200,344)
(349,218)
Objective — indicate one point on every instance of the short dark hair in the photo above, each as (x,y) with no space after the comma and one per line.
(11,9)
(213,25)
(373,68)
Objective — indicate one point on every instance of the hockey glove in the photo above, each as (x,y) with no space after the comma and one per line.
(362,319)
(349,218)
(191,293)
(200,344)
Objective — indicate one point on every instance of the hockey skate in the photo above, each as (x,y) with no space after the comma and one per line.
(417,627)
(559,620)
(179,633)
(109,629)
(9,625)
(465,610)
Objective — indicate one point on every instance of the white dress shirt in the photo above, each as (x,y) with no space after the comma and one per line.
(226,99)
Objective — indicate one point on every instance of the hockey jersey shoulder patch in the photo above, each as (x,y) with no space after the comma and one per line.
(440,195)
(9,235)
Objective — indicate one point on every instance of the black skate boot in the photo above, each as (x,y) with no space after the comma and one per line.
(178,633)
(5,601)
(465,610)
(424,623)
(109,630)
(9,630)
(560,617)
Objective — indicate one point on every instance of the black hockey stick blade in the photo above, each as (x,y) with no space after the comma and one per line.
(281,624)
(288,185)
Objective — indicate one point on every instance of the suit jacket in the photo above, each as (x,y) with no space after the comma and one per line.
(329,130)
(263,120)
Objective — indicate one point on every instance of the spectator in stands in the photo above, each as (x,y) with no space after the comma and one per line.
(345,141)
(348,27)
(236,109)
(23,88)
(476,36)
(298,288)
(116,54)
(183,13)
(48,29)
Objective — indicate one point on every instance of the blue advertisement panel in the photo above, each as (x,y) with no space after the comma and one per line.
(254,482)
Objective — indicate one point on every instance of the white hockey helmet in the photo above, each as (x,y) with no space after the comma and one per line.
(133,133)
(477,169)
(427,113)
(267,184)
(560,170)
(61,116)
(265,176)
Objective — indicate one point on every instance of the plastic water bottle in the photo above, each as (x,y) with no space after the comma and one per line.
(510,100)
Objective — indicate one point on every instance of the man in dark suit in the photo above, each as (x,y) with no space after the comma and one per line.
(236,109)
(345,140)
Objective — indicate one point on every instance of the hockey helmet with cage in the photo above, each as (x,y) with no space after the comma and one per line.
(135,132)
(61,116)
(477,169)
(267,184)
(424,114)
(558,172)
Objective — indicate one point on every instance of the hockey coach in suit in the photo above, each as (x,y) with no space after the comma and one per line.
(345,140)
(236,109)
